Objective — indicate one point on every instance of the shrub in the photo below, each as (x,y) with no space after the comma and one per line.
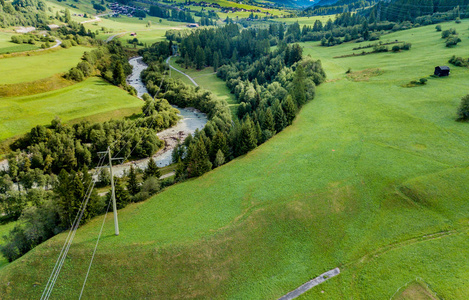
(423,80)
(438,27)
(463,111)
(396,48)
(453,40)
(406,46)
(75,74)
(459,61)
(447,33)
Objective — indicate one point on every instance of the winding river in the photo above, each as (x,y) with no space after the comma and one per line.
(191,119)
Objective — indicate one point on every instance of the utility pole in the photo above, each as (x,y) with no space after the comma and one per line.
(113,191)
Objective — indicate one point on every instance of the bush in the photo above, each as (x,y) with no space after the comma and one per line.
(151,186)
(458,20)
(396,48)
(459,61)
(453,40)
(438,27)
(406,46)
(75,74)
(463,111)
(447,33)
(423,80)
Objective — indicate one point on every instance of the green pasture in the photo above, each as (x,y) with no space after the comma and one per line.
(7,46)
(82,6)
(92,97)
(371,177)
(126,25)
(39,65)
(208,80)
(306,20)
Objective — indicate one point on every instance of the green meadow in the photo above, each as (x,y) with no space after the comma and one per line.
(7,46)
(371,177)
(39,65)
(208,80)
(93,98)
(307,20)
(126,25)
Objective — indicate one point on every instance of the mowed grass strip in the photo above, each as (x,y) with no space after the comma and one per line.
(90,97)
(54,82)
(371,178)
(40,65)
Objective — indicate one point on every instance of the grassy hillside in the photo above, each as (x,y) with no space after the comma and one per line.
(39,65)
(371,177)
(92,97)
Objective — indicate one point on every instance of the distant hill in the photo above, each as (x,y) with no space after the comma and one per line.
(408,10)
(295,3)
(328,7)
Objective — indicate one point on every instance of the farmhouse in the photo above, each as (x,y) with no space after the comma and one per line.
(442,71)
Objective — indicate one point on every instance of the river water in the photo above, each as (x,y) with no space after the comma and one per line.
(191,119)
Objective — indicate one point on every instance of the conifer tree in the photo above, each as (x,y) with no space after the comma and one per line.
(122,195)
(199,58)
(248,136)
(198,162)
(216,61)
(289,109)
(152,170)
(279,116)
(269,123)
(299,93)
(118,75)
(218,143)
(132,184)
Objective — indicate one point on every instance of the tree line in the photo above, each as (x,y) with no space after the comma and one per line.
(48,173)
(271,87)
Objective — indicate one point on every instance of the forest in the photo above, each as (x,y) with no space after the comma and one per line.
(23,13)
(271,86)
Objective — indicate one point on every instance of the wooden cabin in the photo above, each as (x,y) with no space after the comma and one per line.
(441,71)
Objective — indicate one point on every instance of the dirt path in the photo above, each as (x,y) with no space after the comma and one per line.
(310,284)
(115,35)
(190,78)
(408,242)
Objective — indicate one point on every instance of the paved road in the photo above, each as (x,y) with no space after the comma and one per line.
(310,284)
(96,19)
(113,36)
(190,78)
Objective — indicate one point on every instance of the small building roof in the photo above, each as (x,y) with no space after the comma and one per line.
(444,68)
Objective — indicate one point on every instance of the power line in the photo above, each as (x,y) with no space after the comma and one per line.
(63,253)
(95,248)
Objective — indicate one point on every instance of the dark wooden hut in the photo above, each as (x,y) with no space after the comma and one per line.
(441,71)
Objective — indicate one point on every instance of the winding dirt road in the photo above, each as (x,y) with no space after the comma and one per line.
(190,78)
